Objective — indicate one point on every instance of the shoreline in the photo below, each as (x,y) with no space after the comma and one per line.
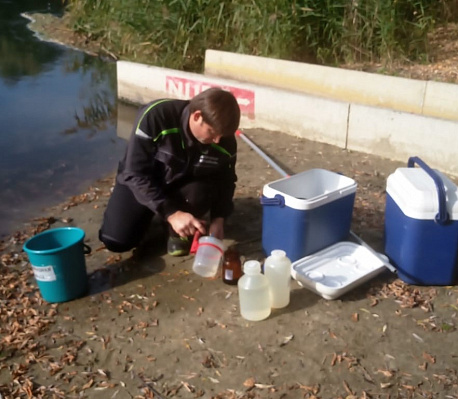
(52,29)
(40,34)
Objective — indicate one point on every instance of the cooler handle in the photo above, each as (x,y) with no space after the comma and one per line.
(277,200)
(442,216)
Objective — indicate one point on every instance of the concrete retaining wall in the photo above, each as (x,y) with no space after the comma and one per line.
(420,97)
(379,131)
(398,135)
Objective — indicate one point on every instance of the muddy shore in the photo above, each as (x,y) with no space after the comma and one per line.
(149,324)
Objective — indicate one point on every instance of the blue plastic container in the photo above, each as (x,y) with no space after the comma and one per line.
(421,225)
(307,212)
(58,263)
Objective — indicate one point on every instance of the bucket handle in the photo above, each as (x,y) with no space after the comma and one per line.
(277,200)
(442,217)
(86,249)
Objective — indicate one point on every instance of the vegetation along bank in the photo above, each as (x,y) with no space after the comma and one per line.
(381,35)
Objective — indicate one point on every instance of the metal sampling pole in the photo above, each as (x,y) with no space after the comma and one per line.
(269,160)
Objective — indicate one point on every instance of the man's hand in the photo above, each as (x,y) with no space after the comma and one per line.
(217,228)
(185,224)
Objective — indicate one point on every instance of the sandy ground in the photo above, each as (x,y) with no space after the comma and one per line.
(150,327)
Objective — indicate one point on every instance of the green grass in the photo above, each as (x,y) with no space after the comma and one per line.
(176,33)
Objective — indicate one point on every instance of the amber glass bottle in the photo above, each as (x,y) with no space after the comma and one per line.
(232,266)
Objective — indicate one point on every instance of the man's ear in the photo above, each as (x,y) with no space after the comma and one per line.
(196,115)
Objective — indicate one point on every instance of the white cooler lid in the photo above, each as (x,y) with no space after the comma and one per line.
(337,269)
(415,192)
(311,188)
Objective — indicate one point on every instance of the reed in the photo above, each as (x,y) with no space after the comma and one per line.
(176,33)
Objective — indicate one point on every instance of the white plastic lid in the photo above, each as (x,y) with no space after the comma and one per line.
(337,269)
(415,192)
(310,189)
(252,267)
(278,253)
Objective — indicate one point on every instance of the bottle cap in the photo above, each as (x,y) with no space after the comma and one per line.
(278,253)
(251,267)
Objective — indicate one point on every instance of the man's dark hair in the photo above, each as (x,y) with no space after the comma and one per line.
(219,109)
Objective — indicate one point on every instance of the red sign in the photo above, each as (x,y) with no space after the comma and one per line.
(188,88)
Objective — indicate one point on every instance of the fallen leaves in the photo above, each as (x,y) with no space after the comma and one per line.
(23,314)
(418,338)
(287,339)
(310,389)
(385,385)
(428,357)
(249,382)
(434,324)
(408,296)
(386,373)
(90,196)
(349,359)
(209,361)
(23,317)
(113,259)
(264,386)
(347,387)
(12,258)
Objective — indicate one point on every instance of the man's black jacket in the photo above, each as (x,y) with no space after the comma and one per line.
(162,152)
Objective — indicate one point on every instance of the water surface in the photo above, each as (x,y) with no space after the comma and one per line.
(57,118)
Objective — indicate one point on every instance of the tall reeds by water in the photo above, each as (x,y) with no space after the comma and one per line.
(176,33)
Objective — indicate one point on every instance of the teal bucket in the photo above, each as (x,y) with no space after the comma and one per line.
(58,263)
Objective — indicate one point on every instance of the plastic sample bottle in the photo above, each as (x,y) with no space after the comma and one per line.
(208,256)
(232,266)
(254,292)
(277,269)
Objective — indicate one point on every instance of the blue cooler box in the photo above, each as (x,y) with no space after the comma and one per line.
(307,212)
(421,225)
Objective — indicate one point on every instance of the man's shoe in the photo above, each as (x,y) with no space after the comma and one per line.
(178,246)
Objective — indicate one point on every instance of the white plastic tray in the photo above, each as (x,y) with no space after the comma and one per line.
(337,269)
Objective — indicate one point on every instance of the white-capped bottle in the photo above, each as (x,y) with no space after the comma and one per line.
(277,269)
(254,292)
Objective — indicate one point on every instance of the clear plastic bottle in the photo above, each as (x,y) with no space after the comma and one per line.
(254,293)
(277,269)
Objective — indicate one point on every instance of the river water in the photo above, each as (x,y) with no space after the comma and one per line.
(58,118)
